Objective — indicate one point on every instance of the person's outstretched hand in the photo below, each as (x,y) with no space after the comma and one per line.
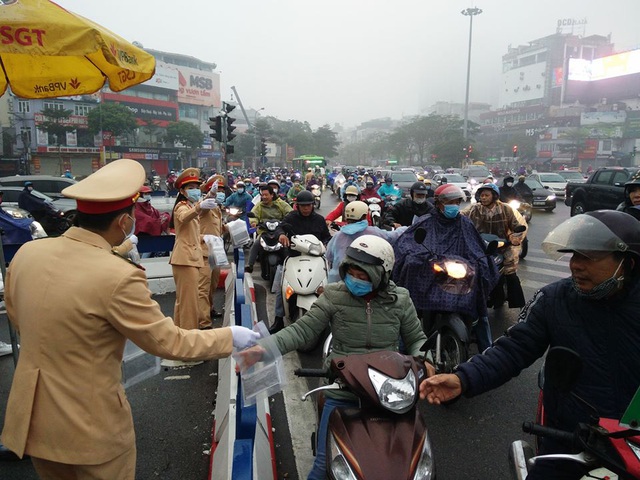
(440,388)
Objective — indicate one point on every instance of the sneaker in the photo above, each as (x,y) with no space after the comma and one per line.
(248,269)
(5,349)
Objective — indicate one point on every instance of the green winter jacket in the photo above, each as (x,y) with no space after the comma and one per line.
(357,326)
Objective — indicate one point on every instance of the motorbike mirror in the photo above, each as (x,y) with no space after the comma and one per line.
(562,369)
(420,235)
(251,215)
(492,247)
(519,229)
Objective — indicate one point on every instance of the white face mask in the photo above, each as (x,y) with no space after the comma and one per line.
(419,200)
(133,227)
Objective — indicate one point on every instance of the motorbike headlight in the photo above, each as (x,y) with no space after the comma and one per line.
(339,465)
(271,226)
(551,198)
(515,204)
(396,395)
(456,269)
(234,211)
(425,467)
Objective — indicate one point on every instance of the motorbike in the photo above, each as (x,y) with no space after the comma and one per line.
(338,182)
(155,183)
(609,450)
(52,220)
(385,437)
(375,211)
(526,211)
(303,278)
(272,251)
(448,332)
(316,190)
(498,295)
(229,215)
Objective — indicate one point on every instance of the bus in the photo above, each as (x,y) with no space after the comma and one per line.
(303,162)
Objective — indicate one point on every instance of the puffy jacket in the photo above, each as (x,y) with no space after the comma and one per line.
(404,211)
(605,334)
(626,207)
(294,223)
(391,317)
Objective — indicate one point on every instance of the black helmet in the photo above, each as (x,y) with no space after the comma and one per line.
(305,197)
(419,187)
(634,181)
(598,231)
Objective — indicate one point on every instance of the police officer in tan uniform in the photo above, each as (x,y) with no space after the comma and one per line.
(74,303)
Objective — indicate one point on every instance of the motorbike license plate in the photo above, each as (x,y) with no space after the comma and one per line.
(539,202)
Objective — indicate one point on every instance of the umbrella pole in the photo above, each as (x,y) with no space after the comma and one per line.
(12,331)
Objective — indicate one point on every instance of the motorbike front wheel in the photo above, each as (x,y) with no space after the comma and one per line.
(524,248)
(453,351)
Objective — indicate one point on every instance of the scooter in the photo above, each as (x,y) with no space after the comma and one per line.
(52,220)
(385,437)
(610,450)
(272,251)
(317,195)
(526,211)
(303,278)
(375,211)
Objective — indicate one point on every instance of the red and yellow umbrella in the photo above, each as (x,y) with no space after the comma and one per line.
(47,51)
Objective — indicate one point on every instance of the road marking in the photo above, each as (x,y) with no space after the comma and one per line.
(544,271)
(178,377)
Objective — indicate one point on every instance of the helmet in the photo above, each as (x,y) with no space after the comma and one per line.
(634,181)
(309,169)
(420,178)
(488,186)
(240,184)
(351,190)
(419,187)
(521,178)
(28,184)
(388,179)
(448,192)
(274,182)
(506,179)
(355,211)
(372,254)
(598,231)
(305,197)
(427,181)
(295,177)
(370,182)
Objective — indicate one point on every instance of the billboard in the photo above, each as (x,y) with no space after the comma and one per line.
(198,87)
(146,110)
(620,64)
(166,76)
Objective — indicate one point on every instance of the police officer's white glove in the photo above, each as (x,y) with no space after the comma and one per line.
(243,337)
(208,238)
(208,204)
(134,239)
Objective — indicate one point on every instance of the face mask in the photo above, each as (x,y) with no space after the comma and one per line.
(388,183)
(194,194)
(133,228)
(509,184)
(355,227)
(220,197)
(351,198)
(241,191)
(357,287)
(419,201)
(30,189)
(603,290)
(451,211)
(143,198)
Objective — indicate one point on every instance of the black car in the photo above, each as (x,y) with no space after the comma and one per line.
(543,199)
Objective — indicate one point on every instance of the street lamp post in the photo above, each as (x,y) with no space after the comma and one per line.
(255,139)
(469,12)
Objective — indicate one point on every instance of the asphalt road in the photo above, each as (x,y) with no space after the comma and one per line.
(470,437)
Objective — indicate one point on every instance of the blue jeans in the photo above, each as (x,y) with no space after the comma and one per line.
(319,470)
(279,303)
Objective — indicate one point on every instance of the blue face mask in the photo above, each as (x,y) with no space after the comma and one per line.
(451,211)
(220,197)
(194,194)
(240,191)
(357,287)
(356,227)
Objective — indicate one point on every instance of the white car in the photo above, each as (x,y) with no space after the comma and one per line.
(454,179)
(553,181)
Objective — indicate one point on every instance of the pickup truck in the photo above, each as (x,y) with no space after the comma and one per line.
(604,189)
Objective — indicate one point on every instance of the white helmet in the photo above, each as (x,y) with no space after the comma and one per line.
(372,250)
(355,210)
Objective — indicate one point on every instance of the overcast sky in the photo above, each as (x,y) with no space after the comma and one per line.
(348,61)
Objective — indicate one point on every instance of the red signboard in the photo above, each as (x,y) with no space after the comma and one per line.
(589,151)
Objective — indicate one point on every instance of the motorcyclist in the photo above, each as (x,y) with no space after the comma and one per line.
(525,192)
(430,189)
(631,204)
(301,221)
(369,191)
(269,207)
(36,206)
(366,312)
(351,180)
(507,191)
(355,215)
(351,194)
(594,312)
(295,189)
(240,199)
(404,212)
(490,215)
(388,188)
(451,234)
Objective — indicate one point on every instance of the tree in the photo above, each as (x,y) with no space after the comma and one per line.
(112,117)
(185,133)
(325,142)
(54,124)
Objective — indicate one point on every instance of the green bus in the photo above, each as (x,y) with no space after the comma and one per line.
(303,162)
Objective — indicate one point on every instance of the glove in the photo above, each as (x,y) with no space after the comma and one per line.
(243,337)
(208,238)
(208,204)
(133,239)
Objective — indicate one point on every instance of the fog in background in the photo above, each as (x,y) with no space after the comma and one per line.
(348,61)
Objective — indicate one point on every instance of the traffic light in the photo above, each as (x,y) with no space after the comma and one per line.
(263,147)
(216,126)
(466,153)
(228,108)
(230,149)
(515,150)
(469,150)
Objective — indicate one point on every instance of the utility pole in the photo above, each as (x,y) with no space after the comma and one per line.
(469,12)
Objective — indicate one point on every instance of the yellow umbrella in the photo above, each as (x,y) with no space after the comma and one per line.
(47,51)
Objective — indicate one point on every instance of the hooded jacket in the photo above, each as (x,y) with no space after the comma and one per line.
(405,210)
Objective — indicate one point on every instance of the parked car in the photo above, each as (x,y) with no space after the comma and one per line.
(554,181)
(543,197)
(454,179)
(48,184)
(572,176)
